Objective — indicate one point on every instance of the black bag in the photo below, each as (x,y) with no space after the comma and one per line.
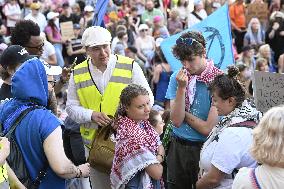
(15,158)
(73,142)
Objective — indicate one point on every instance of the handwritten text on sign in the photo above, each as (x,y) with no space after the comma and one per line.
(268,90)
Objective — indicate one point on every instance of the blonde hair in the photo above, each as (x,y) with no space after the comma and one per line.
(263,48)
(268,138)
(258,63)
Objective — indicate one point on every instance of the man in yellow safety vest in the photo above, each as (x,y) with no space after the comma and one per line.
(95,86)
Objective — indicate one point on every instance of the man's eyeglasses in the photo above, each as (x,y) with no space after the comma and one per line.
(185,41)
(52,83)
(37,47)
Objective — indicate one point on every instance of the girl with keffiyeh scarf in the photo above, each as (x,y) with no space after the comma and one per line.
(227,147)
(138,149)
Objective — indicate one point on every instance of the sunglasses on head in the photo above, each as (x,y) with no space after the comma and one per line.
(185,41)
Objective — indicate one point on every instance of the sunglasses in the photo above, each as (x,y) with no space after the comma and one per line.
(185,41)
(37,47)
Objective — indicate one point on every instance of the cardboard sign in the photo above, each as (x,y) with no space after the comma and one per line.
(67,31)
(258,10)
(268,90)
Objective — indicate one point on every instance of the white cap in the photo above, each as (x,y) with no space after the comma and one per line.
(88,8)
(143,27)
(52,15)
(96,35)
(52,70)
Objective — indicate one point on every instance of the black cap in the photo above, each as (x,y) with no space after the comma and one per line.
(14,54)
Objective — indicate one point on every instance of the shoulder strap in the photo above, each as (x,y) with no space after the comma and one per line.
(197,16)
(19,119)
(42,172)
(247,124)
(254,180)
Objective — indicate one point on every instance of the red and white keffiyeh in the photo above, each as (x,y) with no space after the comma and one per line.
(206,76)
(135,149)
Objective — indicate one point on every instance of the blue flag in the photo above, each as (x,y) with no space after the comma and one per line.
(100,12)
(216,30)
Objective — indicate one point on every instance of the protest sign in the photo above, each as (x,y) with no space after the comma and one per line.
(258,10)
(268,90)
(67,31)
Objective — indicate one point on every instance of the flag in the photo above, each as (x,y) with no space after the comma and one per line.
(100,12)
(216,30)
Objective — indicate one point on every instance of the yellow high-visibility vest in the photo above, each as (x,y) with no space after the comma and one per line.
(91,98)
(3,173)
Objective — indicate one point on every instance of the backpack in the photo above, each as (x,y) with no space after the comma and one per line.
(15,158)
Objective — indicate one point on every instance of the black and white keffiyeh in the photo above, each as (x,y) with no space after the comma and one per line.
(246,112)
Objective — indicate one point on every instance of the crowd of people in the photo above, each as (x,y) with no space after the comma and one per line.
(196,127)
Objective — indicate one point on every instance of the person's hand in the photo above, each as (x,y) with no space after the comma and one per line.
(275,26)
(160,158)
(85,170)
(66,72)
(65,75)
(101,119)
(182,78)
(4,147)
(158,69)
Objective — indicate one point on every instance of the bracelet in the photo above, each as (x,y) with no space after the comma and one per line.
(79,173)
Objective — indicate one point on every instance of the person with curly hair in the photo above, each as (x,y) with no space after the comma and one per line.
(138,149)
(227,147)
(267,149)
(192,115)
(27,34)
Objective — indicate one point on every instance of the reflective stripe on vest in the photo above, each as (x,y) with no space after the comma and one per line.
(5,184)
(3,174)
(91,98)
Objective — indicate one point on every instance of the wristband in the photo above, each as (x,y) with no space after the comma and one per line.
(79,173)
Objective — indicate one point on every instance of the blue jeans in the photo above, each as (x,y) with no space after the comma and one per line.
(58,51)
(135,182)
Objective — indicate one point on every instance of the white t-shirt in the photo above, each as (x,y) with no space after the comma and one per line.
(39,19)
(13,11)
(48,49)
(230,152)
(267,177)
(192,20)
